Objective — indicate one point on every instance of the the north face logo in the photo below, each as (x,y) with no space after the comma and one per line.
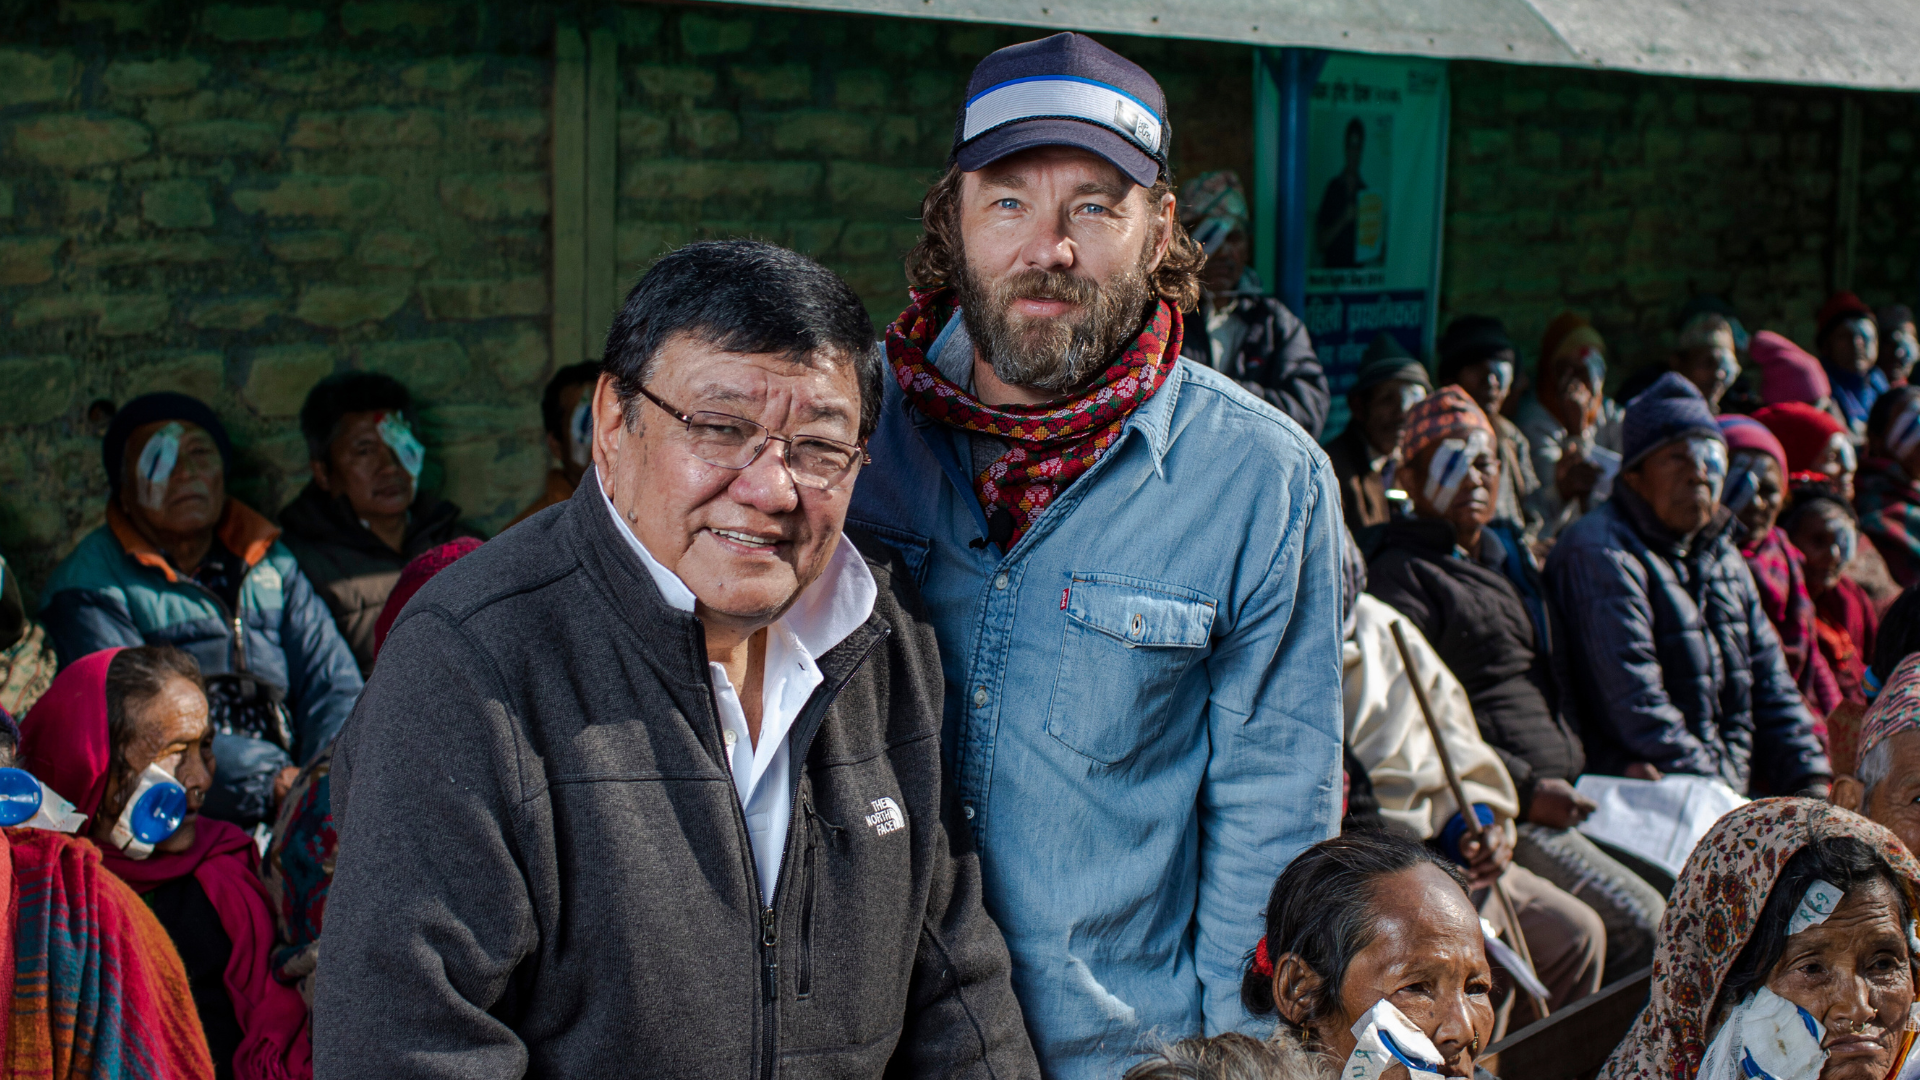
(886,817)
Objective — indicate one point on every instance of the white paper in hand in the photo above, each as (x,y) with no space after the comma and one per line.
(1384,1038)
(1658,820)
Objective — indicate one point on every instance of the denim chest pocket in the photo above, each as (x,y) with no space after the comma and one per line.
(1128,643)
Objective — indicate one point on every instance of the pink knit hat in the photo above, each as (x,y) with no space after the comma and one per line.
(1787,373)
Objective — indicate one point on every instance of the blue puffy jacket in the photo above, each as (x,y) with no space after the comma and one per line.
(116,590)
(1672,659)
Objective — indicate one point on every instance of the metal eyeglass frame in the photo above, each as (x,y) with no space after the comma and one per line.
(786,458)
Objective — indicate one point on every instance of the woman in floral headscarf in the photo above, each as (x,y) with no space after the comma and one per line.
(1785,948)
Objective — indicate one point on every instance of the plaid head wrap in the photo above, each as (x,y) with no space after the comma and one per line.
(1715,909)
(1895,709)
(1052,443)
(1449,413)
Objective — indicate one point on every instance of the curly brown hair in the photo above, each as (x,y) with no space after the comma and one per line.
(931,263)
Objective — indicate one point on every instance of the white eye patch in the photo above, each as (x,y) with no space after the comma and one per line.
(1448,468)
(1710,457)
(1596,366)
(1843,449)
(399,438)
(155,465)
(1726,365)
(1743,482)
(1818,903)
(1903,435)
(1411,394)
(580,428)
(1500,373)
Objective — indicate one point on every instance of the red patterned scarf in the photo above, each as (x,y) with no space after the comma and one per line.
(1052,444)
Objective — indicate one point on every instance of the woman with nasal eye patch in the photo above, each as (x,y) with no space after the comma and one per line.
(1787,953)
(1755,494)
(123,735)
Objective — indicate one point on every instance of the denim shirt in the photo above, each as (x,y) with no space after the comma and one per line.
(1143,701)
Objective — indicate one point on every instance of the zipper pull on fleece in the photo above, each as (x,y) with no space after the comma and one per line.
(769,939)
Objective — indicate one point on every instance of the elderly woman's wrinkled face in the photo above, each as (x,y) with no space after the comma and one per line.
(172,480)
(1769,492)
(170,730)
(1428,958)
(1854,973)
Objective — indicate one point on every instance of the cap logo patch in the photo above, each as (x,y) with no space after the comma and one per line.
(1064,97)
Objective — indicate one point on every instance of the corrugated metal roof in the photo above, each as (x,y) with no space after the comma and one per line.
(1869,44)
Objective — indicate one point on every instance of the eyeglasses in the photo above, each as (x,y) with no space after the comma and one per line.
(733,442)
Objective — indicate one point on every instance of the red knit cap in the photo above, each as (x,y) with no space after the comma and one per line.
(416,573)
(1746,433)
(1804,431)
(1841,305)
(1787,372)
(1449,412)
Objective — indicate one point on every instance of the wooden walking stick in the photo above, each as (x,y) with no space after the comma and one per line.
(1474,828)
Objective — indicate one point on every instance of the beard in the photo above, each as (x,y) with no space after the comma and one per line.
(1061,353)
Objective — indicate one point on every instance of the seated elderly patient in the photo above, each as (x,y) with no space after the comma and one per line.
(1885,783)
(1756,492)
(1450,576)
(116,727)
(1387,736)
(181,563)
(95,978)
(1785,953)
(1370,937)
(1674,666)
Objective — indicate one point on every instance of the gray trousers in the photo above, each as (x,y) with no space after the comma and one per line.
(1628,906)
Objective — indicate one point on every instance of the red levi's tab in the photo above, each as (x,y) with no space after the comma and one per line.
(1064,593)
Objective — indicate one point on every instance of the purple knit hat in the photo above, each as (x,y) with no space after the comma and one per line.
(1670,409)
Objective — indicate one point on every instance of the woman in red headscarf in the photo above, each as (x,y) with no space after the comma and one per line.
(111,719)
(92,985)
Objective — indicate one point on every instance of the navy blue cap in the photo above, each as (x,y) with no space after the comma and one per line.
(1066,90)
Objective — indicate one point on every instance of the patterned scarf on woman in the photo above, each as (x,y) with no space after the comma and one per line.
(1052,444)
(1715,908)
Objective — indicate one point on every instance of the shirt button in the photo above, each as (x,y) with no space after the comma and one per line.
(1000,582)
(967,810)
(980,696)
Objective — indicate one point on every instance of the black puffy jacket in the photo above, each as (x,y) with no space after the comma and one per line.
(1671,659)
(1275,363)
(1479,625)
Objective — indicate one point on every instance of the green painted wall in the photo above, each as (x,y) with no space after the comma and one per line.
(235,199)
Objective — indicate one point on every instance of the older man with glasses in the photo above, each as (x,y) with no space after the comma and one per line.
(652,782)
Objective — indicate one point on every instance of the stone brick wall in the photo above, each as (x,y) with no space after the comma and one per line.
(1622,196)
(822,133)
(237,199)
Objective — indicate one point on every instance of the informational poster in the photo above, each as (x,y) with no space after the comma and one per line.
(1376,190)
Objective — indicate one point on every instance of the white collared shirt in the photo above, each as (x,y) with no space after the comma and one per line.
(827,611)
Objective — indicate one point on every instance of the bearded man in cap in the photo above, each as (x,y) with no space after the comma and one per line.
(1131,563)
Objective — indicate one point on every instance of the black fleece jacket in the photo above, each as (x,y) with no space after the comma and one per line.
(1481,628)
(544,871)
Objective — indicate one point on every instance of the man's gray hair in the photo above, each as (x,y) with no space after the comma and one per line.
(1874,766)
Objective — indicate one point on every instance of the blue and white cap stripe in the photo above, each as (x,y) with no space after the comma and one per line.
(1063,96)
